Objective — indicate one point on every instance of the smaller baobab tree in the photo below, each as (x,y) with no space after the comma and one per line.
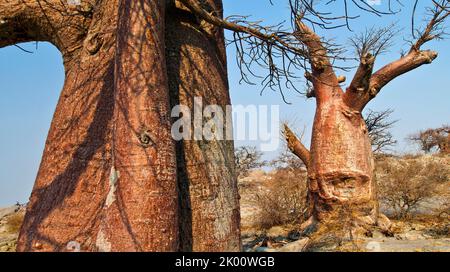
(340,160)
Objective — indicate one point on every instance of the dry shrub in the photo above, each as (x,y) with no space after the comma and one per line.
(247,158)
(14,222)
(342,229)
(284,200)
(405,184)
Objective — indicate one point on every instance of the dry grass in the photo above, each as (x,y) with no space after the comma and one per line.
(284,200)
(14,222)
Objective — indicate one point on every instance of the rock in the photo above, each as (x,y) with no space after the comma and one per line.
(309,226)
(275,232)
(377,235)
(264,249)
(294,235)
(365,221)
(384,223)
(325,243)
(297,246)
(393,245)
(373,246)
(413,235)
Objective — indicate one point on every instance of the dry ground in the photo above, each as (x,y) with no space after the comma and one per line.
(424,231)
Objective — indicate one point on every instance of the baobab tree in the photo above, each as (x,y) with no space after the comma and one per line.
(432,139)
(340,160)
(111,177)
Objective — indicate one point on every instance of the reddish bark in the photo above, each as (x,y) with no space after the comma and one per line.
(107,179)
(141,208)
(340,162)
(341,166)
(197,68)
(72,184)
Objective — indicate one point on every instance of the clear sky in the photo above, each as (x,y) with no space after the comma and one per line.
(31,83)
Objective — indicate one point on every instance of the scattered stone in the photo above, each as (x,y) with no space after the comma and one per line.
(294,235)
(297,246)
(413,235)
(277,231)
(377,235)
(264,249)
(384,223)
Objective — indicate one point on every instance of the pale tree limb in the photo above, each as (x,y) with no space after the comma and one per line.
(296,146)
(303,48)
(361,80)
(388,73)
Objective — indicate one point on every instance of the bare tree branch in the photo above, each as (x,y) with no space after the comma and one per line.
(285,53)
(323,77)
(430,139)
(275,40)
(247,158)
(378,125)
(296,146)
(358,97)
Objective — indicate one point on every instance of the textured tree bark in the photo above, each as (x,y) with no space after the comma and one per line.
(68,198)
(341,165)
(142,205)
(206,175)
(340,162)
(107,180)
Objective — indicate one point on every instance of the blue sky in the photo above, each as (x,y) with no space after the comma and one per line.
(31,84)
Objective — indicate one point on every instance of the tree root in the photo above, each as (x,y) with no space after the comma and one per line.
(334,233)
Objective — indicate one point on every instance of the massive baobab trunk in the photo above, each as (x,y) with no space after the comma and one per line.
(196,61)
(108,178)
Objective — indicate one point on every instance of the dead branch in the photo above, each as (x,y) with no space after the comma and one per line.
(296,146)
(371,84)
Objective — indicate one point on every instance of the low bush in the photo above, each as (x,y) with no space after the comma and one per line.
(284,200)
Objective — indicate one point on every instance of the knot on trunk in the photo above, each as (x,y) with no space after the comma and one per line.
(145,138)
(93,43)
